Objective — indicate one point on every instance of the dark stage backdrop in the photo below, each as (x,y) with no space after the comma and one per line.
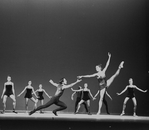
(49,39)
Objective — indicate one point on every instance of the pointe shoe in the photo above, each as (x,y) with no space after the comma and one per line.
(134,114)
(54,112)
(121,65)
(14,111)
(122,114)
(3,112)
(31,112)
(98,113)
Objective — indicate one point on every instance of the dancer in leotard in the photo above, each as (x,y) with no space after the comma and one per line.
(55,99)
(29,95)
(103,83)
(8,91)
(130,95)
(40,98)
(85,98)
(78,93)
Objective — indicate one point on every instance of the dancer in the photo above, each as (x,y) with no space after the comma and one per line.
(85,98)
(130,95)
(55,99)
(103,83)
(29,95)
(8,91)
(40,98)
(78,93)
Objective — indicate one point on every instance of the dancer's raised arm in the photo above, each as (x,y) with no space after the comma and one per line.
(54,84)
(107,64)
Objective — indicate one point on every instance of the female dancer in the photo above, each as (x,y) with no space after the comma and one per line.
(40,98)
(85,98)
(130,95)
(78,93)
(103,83)
(29,95)
(8,91)
(55,99)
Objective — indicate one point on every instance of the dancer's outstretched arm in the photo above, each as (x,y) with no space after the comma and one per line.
(54,84)
(96,94)
(72,84)
(22,92)
(76,90)
(46,93)
(3,91)
(107,64)
(34,92)
(73,95)
(91,95)
(87,76)
(144,91)
(13,89)
(108,95)
(122,91)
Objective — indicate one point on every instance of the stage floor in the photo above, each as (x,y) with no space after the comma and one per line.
(70,121)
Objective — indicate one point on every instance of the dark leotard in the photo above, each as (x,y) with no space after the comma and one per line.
(28,93)
(85,95)
(40,95)
(130,93)
(8,91)
(102,83)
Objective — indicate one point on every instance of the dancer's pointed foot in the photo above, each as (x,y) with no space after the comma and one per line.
(121,65)
(134,114)
(31,112)
(14,112)
(108,113)
(3,112)
(89,113)
(98,113)
(54,112)
(122,113)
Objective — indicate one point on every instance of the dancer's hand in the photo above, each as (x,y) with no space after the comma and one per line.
(118,94)
(50,80)
(79,77)
(145,91)
(79,80)
(109,54)
(94,98)
(72,98)
(18,95)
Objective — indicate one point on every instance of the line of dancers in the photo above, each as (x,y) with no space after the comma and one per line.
(84,95)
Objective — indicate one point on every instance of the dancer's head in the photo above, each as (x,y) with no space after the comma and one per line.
(63,81)
(130,81)
(29,82)
(40,86)
(85,85)
(8,78)
(98,67)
